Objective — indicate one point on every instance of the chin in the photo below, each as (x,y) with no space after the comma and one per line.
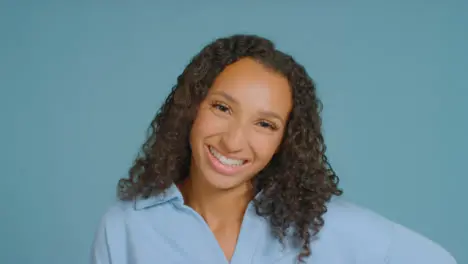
(222,182)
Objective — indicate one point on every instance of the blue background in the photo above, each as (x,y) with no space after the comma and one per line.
(80,82)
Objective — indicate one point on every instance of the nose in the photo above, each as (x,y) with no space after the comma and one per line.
(234,139)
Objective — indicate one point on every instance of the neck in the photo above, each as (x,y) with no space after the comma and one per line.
(217,207)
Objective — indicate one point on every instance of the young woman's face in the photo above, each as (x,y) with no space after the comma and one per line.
(240,124)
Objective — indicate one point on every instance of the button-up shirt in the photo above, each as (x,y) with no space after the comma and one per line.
(161,229)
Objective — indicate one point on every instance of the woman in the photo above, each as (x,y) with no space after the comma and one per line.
(234,171)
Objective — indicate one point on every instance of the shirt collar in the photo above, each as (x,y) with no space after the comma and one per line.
(171,194)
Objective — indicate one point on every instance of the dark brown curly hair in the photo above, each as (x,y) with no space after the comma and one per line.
(298,181)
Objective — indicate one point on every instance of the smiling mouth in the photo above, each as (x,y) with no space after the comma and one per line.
(225,160)
(224,165)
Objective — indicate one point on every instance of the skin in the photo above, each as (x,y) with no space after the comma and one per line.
(243,117)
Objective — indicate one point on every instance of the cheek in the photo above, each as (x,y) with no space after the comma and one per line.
(205,125)
(265,146)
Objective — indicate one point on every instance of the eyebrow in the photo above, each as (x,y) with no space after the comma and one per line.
(262,112)
(227,96)
(272,114)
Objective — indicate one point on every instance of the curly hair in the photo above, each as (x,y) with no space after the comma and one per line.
(296,184)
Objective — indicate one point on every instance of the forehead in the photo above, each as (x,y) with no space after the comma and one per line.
(252,84)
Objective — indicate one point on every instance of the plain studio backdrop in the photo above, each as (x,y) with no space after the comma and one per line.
(81,81)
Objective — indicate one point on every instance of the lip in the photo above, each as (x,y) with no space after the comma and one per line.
(221,168)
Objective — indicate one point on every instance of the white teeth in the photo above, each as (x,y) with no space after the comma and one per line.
(224,160)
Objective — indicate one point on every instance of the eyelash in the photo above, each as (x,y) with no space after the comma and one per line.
(220,107)
(269,125)
(224,108)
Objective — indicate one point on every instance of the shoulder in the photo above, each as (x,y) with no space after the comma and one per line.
(121,213)
(110,237)
(353,221)
(117,211)
(371,236)
(122,216)
(115,217)
(120,224)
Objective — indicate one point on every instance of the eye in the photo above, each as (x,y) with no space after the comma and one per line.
(220,107)
(268,125)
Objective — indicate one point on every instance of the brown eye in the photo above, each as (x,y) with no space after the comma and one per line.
(220,107)
(268,125)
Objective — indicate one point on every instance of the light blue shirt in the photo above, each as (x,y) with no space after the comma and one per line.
(162,230)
